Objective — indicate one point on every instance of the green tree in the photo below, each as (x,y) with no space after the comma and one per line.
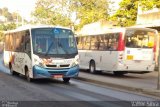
(127,13)
(52,12)
(7,14)
(1,36)
(5,27)
(60,12)
(89,11)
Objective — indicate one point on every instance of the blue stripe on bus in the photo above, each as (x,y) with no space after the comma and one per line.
(40,72)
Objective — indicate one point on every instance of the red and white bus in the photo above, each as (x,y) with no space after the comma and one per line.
(121,50)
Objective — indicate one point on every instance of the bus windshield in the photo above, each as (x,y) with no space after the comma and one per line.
(137,38)
(53,41)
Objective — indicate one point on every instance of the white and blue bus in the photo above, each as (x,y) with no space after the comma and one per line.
(42,52)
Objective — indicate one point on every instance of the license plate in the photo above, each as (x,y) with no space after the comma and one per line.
(129,57)
(57,76)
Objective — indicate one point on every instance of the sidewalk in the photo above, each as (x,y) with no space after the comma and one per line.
(142,83)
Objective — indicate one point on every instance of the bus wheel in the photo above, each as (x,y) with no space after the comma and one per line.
(12,72)
(92,67)
(66,80)
(119,73)
(27,75)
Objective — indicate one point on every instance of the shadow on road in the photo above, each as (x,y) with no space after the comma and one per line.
(110,74)
(41,81)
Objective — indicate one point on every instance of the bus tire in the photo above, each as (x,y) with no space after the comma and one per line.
(66,80)
(27,75)
(92,67)
(12,72)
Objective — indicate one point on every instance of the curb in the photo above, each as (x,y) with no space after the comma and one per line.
(150,92)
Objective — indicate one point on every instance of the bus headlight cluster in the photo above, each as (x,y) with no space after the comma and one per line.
(75,61)
(38,62)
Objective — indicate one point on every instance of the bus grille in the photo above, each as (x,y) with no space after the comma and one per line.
(51,65)
(56,66)
(64,66)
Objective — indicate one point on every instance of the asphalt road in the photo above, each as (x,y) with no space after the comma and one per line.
(143,81)
(49,93)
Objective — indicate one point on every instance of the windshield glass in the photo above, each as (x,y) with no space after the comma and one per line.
(52,41)
(140,38)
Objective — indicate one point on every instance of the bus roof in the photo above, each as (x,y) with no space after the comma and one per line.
(27,27)
(116,30)
(141,28)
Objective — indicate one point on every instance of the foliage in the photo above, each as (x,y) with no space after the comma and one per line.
(149,4)
(127,13)
(52,12)
(5,27)
(60,11)
(11,17)
(89,11)
(1,36)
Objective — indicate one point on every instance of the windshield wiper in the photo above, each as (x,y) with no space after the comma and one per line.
(49,48)
(60,45)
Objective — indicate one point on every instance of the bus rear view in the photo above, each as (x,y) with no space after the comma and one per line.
(140,54)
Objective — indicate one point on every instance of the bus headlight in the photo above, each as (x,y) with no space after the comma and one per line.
(74,64)
(75,61)
(38,63)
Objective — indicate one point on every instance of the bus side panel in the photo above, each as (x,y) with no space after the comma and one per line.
(109,60)
(84,63)
(86,56)
(21,60)
(105,60)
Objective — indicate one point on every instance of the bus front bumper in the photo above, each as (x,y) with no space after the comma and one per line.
(40,72)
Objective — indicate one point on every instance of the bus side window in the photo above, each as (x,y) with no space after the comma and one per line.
(27,46)
(97,43)
(27,43)
(106,40)
(83,42)
(93,41)
(79,43)
(87,46)
(102,43)
(113,42)
(109,42)
(18,41)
